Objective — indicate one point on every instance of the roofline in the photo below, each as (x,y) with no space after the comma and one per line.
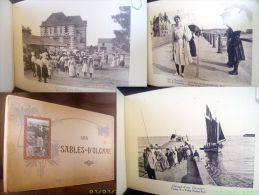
(63,25)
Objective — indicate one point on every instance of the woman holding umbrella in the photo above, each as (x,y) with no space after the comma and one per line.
(181,35)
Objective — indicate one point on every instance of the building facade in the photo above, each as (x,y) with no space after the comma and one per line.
(105,45)
(69,30)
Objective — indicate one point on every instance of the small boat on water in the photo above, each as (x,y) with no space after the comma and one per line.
(249,135)
(215,135)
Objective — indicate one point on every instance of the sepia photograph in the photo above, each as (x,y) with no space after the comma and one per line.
(37,134)
(202,45)
(202,139)
(87,46)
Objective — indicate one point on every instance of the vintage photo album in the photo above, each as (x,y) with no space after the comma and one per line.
(189,140)
(48,145)
(73,45)
(203,43)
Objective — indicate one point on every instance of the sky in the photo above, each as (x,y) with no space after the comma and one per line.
(97,13)
(208,13)
(183,110)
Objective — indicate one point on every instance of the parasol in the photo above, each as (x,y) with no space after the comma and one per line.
(195,29)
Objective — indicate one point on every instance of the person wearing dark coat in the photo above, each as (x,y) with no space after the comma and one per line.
(151,164)
(237,50)
(169,156)
(196,153)
(45,63)
(145,157)
(229,33)
(192,47)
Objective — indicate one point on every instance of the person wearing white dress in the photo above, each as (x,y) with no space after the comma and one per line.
(85,64)
(71,67)
(181,35)
(117,59)
(66,64)
(33,60)
(91,66)
(113,60)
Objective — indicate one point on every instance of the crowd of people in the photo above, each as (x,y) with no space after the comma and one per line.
(46,64)
(154,157)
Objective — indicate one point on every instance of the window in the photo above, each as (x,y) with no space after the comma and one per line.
(55,29)
(103,44)
(66,29)
(46,30)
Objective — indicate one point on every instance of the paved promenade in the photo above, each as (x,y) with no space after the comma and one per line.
(209,66)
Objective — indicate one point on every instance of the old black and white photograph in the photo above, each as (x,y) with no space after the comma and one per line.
(85,44)
(202,42)
(201,139)
(37,134)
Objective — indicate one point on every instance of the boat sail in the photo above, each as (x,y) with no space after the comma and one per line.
(215,135)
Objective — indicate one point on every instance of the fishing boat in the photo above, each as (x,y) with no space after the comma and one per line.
(215,135)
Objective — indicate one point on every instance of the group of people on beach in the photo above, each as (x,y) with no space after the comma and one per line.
(72,63)
(154,156)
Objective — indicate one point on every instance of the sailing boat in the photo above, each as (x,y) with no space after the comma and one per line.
(215,135)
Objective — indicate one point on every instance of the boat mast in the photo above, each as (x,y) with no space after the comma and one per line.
(144,125)
(217,130)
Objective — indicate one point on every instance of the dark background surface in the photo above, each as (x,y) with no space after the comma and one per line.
(98,102)
(133,90)
(15,1)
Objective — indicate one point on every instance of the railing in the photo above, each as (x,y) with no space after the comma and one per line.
(203,172)
(214,38)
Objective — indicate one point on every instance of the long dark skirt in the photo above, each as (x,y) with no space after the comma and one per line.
(33,67)
(38,70)
(192,48)
(44,71)
(151,172)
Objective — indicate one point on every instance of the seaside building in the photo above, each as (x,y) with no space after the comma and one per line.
(69,30)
